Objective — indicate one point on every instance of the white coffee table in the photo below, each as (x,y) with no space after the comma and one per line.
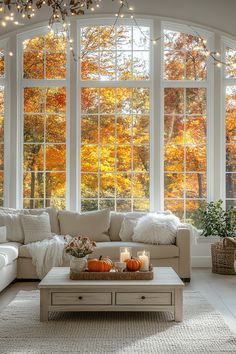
(163,293)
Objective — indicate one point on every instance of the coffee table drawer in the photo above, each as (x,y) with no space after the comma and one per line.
(143,298)
(70,298)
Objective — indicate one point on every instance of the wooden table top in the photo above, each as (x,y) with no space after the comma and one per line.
(58,277)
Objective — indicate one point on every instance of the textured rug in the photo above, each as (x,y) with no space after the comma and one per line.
(203,330)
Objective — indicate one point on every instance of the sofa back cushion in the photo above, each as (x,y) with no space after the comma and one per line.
(115,225)
(93,224)
(53,216)
(11,219)
(116,222)
(36,227)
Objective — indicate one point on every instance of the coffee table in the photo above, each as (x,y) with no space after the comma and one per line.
(163,293)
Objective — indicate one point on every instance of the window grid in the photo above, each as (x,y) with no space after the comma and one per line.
(47,89)
(115,84)
(183,84)
(131,173)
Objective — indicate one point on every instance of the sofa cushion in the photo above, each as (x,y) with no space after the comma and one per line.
(112,249)
(93,224)
(53,215)
(9,251)
(36,227)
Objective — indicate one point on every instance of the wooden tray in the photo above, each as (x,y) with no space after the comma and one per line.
(112,275)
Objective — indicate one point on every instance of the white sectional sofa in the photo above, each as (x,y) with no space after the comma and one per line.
(16,262)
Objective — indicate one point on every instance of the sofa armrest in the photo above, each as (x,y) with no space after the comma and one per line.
(183,241)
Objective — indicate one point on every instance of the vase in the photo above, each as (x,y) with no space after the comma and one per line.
(78,264)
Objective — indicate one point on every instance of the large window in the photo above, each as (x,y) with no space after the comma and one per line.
(44,121)
(230,81)
(138,127)
(2,121)
(185,123)
(115,117)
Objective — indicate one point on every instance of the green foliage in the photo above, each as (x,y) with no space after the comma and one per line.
(214,220)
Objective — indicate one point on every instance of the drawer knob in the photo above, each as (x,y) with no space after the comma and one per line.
(143,297)
(80,297)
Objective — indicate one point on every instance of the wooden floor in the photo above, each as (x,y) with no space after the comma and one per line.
(220,290)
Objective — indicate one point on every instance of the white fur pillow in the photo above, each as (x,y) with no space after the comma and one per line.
(157,229)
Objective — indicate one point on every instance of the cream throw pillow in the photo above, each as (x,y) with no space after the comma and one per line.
(93,224)
(36,227)
(53,215)
(127,228)
(3,234)
(11,219)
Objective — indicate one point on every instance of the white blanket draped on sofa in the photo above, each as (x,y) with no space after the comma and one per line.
(48,253)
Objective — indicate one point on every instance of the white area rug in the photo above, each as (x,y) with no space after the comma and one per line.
(203,330)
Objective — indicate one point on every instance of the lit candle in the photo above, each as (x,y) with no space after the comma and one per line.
(124,254)
(144,258)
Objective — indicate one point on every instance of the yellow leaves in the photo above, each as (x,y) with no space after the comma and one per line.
(107,159)
(55,157)
(108,54)
(89,158)
(184,57)
(50,48)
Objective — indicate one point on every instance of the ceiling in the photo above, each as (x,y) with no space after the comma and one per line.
(210,13)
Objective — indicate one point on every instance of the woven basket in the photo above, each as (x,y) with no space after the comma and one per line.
(224,256)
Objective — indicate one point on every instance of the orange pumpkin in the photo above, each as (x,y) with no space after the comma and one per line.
(99,265)
(133,264)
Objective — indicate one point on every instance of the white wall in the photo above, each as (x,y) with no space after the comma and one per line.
(201,251)
(217,14)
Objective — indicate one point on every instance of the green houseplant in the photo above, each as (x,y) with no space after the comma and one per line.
(215,221)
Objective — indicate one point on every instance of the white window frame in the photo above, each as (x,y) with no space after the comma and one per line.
(116,84)
(225,42)
(23,83)
(208,84)
(13,156)
(4,44)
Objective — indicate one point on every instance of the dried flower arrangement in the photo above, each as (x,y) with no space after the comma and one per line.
(80,246)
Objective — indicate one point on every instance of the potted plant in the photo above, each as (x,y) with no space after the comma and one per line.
(216,221)
(79,248)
